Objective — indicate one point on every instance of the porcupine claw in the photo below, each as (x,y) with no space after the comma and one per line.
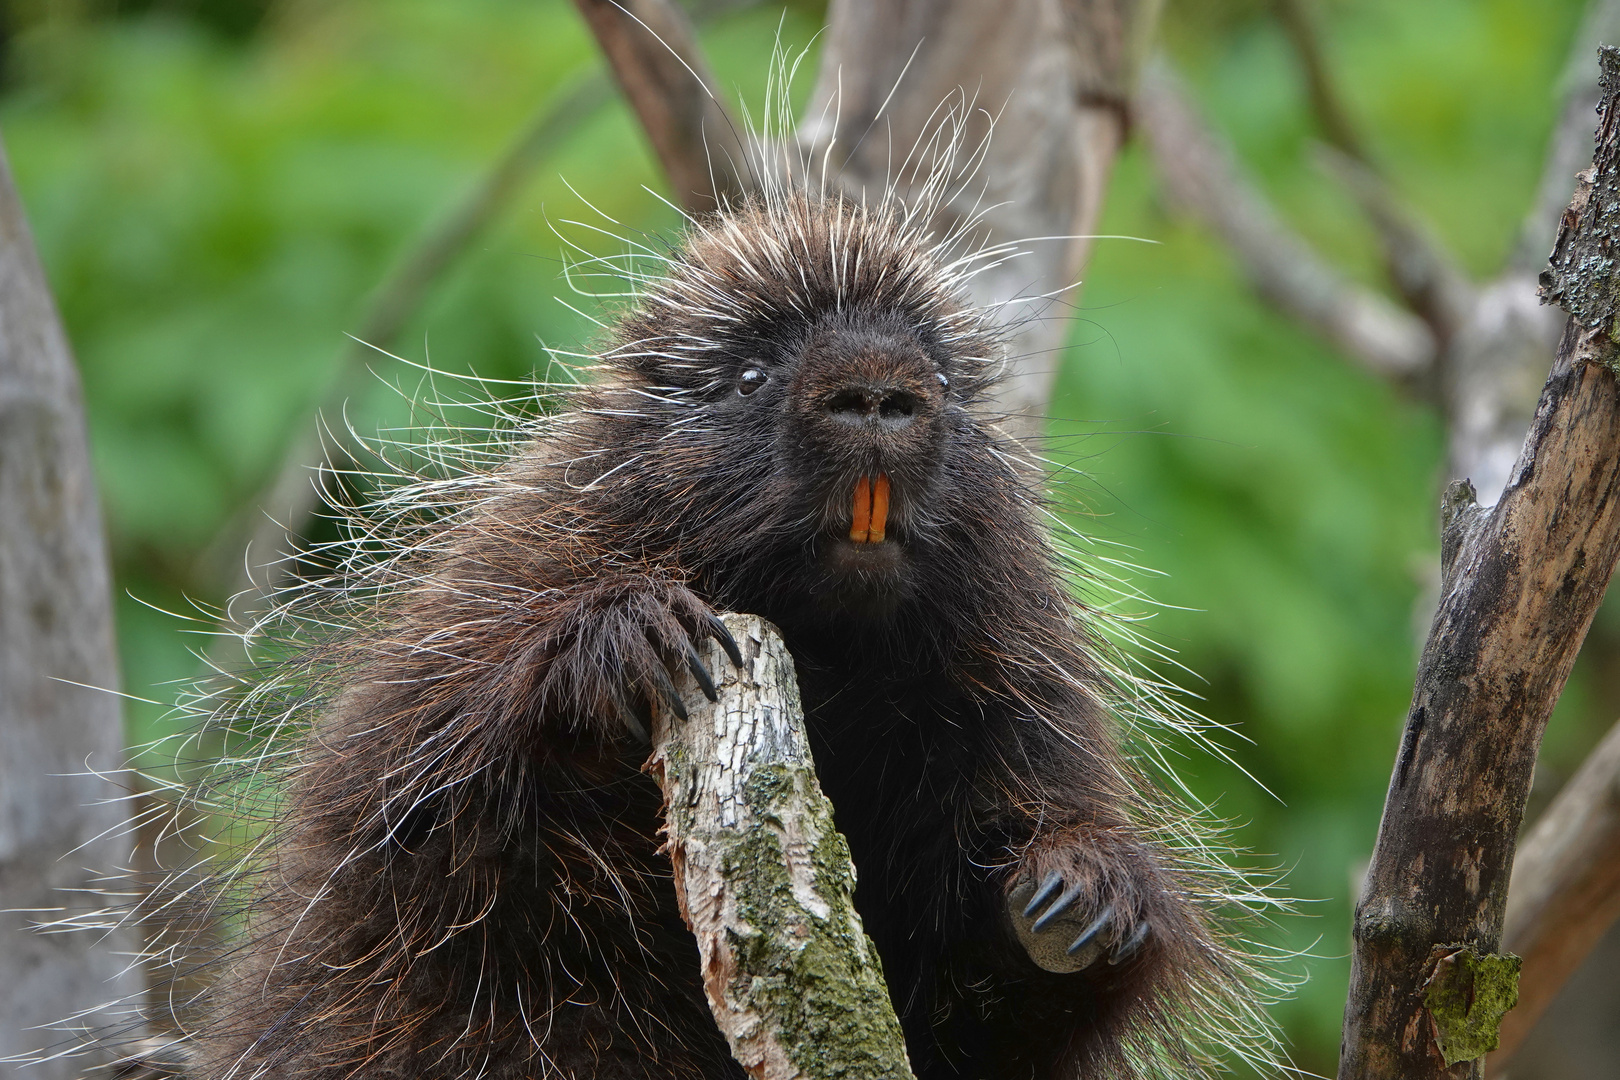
(1127,950)
(1048,889)
(1089,934)
(1059,906)
(1063,930)
(718,631)
(672,699)
(694,663)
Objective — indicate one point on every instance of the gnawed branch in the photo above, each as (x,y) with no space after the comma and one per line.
(765,880)
(1521,585)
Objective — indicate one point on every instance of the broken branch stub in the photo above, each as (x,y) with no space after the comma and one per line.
(1525,582)
(764,878)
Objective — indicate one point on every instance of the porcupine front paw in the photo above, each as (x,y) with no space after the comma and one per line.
(1066,924)
(627,642)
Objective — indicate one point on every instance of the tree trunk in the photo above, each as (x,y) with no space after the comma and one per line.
(57,816)
(1520,585)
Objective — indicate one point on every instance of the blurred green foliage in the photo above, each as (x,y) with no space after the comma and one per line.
(217,187)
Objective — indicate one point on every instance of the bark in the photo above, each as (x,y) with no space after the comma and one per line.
(1520,586)
(1566,888)
(56,647)
(765,879)
(662,73)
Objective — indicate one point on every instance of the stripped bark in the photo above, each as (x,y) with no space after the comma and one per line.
(56,650)
(1566,888)
(764,878)
(1520,586)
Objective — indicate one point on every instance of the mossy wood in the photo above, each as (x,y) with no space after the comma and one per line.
(765,880)
(1521,583)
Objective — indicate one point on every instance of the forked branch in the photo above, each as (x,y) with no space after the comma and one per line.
(1521,584)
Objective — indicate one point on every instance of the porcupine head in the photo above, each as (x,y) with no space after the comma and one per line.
(791,419)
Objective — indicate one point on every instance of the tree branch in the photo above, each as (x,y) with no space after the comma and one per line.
(1202,176)
(661,70)
(1566,888)
(764,878)
(59,709)
(1522,584)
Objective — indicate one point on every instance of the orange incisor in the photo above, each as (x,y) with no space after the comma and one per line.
(871,510)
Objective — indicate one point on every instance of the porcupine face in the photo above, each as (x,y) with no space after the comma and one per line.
(813,369)
(859,427)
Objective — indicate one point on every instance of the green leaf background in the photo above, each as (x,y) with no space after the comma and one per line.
(217,187)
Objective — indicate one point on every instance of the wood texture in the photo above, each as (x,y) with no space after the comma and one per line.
(1520,586)
(657,63)
(56,647)
(1566,888)
(765,880)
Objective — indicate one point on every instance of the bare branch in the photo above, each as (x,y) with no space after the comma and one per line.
(1299,22)
(765,880)
(1421,269)
(1521,585)
(656,60)
(59,710)
(1202,176)
(1566,888)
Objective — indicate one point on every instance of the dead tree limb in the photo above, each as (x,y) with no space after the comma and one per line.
(1202,177)
(765,880)
(659,67)
(59,713)
(1520,586)
(1566,888)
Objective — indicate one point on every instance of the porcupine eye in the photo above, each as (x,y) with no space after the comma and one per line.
(751,380)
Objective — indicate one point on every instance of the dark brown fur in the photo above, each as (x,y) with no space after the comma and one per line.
(465,878)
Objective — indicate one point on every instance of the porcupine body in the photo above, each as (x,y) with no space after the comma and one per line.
(465,877)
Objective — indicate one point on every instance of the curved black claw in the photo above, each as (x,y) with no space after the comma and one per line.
(1126,951)
(694,663)
(718,630)
(1059,906)
(636,715)
(1049,888)
(1089,934)
(666,688)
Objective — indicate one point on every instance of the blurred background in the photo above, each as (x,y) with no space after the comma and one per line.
(218,189)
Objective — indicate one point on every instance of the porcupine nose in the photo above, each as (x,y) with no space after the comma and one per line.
(873,405)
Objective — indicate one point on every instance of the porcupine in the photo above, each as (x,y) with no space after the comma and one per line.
(465,877)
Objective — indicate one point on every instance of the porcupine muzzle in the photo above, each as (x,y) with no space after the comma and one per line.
(876,402)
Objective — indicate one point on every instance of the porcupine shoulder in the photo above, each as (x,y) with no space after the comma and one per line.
(465,879)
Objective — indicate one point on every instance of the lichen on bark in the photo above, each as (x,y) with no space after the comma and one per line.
(766,881)
(1467,996)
